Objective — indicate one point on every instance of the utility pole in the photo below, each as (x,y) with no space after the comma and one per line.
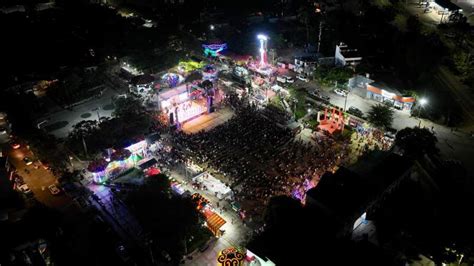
(320,34)
(345,101)
(84,145)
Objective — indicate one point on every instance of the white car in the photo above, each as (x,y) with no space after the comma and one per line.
(302,78)
(24,188)
(281,79)
(289,79)
(54,189)
(341,92)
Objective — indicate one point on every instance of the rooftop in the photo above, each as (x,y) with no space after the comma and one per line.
(448,5)
(348,191)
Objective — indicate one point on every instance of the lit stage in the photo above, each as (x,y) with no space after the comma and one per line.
(182,103)
(207,121)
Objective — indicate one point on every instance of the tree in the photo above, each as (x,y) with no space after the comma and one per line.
(48,149)
(169,219)
(380,116)
(416,142)
(127,107)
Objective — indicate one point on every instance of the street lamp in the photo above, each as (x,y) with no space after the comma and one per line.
(423,102)
(211,27)
(347,94)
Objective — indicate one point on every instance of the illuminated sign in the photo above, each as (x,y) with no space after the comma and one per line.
(230,257)
(387,94)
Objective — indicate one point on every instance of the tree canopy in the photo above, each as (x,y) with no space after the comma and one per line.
(169,219)
(380,116)
(416,142)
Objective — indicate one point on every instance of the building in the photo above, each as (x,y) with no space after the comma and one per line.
(445,7)
(5,128)
(350,193)
(382,93)
(346,56)
(305,64)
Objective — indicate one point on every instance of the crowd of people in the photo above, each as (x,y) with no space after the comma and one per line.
(260,157)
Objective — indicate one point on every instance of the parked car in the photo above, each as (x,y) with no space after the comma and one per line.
(355,111)
(18,179)
(24,189)
(54,189)
(166,256)
(15,145)
(281,79)
(302,78)
(390,133)
(81,202)
(122,252)
(289,79)
(27,161)
(341,92)
(315,94)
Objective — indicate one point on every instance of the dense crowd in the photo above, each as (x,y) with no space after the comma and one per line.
(260,156)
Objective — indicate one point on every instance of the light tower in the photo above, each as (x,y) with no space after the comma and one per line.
(263,49)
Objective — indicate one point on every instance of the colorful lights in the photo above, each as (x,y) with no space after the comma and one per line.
(122,160)
(214,49)
(189,66)
(263,49)
(172,79)
(209,72)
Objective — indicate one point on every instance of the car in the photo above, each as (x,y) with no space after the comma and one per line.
(355,111)
(54,189)
(166,256)
(390,133)
(15,145)
(24,189)
(18,179)
(315,94)
(341,92)
(27,161)
(281,79)
(326,98)
(122,252)
(302,78)
(289,79)
(82,203)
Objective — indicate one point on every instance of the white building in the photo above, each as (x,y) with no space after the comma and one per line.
(345,56)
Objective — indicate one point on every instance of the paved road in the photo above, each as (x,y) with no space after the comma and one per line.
(111,206)
(38,180)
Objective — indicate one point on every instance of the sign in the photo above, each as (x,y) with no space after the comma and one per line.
(387,94)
